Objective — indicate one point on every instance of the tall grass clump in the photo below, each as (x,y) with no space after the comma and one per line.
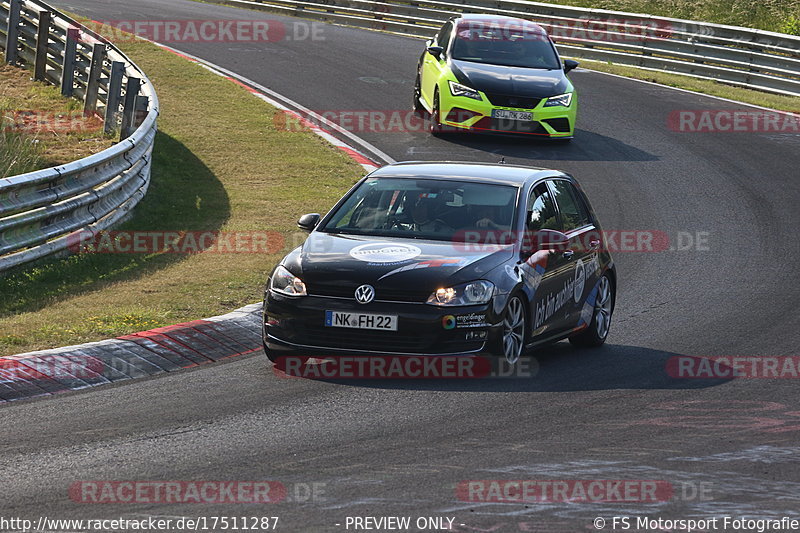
(19,153)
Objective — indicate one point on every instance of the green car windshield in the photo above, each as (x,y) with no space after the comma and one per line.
(509,46)
(426,209)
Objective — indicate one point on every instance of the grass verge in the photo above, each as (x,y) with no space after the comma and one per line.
(782,16)
(219,164)
(39,128)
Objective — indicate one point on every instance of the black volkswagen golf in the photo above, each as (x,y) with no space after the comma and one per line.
(445,259)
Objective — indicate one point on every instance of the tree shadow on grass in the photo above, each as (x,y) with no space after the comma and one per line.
(184,195)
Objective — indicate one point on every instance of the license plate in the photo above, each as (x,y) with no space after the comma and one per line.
(505,114)
(338,319)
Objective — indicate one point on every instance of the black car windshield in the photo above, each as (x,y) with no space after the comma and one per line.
(427,209)
(507,45)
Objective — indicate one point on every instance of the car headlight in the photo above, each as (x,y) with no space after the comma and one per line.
(284,282)
(456,89)
(560,100)
(472,293)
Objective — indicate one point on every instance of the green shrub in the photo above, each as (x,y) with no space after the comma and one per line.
(791,26)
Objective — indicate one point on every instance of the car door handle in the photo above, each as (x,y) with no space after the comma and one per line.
(568,254)
(594,244)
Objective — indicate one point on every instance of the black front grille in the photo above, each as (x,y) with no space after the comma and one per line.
(354,339)
(381,294)
(511,126)
(518,102)
(413,336)
(558,124)
(401,342)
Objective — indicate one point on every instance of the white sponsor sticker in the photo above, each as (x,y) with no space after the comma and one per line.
(384,252)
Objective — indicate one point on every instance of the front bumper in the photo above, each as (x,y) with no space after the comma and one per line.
(462,113)
(296,326)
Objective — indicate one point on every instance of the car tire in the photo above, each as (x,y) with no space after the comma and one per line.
(511,344)
(597,332)
(436,124)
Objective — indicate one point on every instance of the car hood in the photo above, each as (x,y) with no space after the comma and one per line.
(510,81)
(405,269)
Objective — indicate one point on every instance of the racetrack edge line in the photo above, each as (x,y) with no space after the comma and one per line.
(288,105)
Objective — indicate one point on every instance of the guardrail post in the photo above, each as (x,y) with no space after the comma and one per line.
(68,72)
(42,40)
(56,50)
(93,82)
(113,96)
(12,35)
(142,104)
(129,107)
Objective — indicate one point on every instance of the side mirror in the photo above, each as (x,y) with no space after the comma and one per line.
(544,239)
(436,51)
(308,222)
(570,64)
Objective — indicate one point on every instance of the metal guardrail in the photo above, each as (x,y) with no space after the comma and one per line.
(47,211)
(755,59)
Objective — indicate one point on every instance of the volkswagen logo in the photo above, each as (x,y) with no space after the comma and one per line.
(365,294)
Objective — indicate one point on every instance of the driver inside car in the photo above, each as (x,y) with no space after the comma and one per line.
(485,218)
(426,214)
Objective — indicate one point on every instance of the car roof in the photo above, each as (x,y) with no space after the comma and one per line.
(478,17)
(497,173)
(487,17)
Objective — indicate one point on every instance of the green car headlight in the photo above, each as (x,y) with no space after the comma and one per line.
(284,282)
(562,100)
(456,89)
(472,293)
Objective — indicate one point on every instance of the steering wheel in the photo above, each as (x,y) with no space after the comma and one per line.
(395,223)
(444,224)
(441,222)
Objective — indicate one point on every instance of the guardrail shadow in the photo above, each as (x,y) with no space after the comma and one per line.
(558,368)
(184,195)
(586,146)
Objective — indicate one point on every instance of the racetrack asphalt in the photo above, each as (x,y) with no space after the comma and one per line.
(401,447)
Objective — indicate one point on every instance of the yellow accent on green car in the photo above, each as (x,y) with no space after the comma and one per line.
(490,73)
